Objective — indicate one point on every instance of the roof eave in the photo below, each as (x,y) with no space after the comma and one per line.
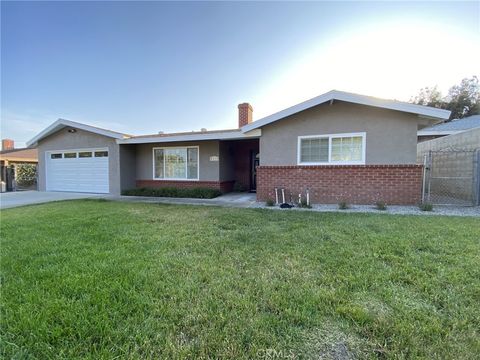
(420,110)
(439,132)
(62,123)
(238,135)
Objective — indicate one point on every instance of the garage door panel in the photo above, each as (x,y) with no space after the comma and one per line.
(88,174)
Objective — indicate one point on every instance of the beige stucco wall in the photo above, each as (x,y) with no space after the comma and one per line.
(63,140)
(391,136)
(128,167)
(209,170)
(227,161)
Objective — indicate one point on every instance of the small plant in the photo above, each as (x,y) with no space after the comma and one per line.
(426,206)
(304,204)
(380,205)
(269,202)
(343,205)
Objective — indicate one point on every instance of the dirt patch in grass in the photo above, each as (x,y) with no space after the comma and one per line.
(332,342)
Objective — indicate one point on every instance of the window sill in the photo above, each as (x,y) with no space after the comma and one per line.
(332,163)
(162,179)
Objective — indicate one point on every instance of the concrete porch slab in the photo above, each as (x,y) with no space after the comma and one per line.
(241,200)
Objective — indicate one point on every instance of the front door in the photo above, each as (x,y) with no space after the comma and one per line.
(254,162)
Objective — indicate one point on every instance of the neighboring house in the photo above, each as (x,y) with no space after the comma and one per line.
(10,158)
(455,126)
(339,146)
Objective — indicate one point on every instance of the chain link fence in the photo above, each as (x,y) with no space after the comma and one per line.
(452,177)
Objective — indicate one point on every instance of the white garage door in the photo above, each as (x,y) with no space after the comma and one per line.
(84,170)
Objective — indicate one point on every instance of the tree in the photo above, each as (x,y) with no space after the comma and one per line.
(462,100)
(429,96)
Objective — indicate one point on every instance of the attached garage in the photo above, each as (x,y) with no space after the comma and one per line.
(83,170)
(79,158)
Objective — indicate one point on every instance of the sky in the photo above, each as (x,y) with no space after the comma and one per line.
(145,67)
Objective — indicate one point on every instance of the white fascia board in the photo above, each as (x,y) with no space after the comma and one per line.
(62,123)
(237,135)
(438,132)
(352,98)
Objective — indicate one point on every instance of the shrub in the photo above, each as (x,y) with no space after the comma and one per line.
(26,174)
(343,205)
(199,193)
(303,204)
(426,206)
(269,202)
(380,205)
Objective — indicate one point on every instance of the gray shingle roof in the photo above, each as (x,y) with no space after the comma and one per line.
(467,123)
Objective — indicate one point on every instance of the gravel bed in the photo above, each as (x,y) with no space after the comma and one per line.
(391,209)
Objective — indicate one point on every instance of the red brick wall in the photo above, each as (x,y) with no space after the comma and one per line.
(223,186)
(245,112)
(356,184)
(8,144)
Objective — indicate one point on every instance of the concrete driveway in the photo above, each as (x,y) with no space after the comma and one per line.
(21,198)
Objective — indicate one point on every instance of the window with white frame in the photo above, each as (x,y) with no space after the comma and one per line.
(179,163)
(332,149)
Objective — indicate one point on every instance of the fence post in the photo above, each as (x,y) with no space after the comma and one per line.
(428,173)
(476,179)
(36,177)
(424,177)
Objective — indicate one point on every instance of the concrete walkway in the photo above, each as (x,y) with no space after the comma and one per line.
(240,200)
(21,198)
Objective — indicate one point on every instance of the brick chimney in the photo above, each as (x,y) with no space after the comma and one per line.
(7,144)
(245,112)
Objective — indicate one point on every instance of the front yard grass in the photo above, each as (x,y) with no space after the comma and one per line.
(97,279)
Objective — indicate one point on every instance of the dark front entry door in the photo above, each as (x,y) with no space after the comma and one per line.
(254,162)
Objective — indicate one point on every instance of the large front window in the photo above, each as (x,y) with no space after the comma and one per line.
(179,163)
(332,149)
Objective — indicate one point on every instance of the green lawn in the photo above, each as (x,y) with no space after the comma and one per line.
(98,279)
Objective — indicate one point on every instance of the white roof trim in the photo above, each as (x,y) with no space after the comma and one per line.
(352,98)
(228,135)
(439,132)
(62,123)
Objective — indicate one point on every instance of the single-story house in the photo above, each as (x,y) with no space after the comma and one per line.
(10,158)
(338,146)
(455,126)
